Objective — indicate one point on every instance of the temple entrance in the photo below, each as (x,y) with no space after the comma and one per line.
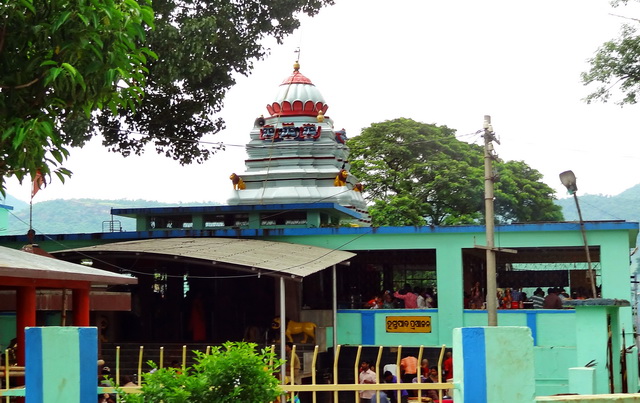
(372,273)
(206,290)
(526,271)
(212,308)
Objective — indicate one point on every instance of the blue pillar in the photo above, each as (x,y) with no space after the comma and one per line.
(493,364)
(61,364)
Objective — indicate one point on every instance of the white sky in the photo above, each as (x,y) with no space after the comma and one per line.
(443,62)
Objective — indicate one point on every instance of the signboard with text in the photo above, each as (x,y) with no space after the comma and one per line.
(408,324)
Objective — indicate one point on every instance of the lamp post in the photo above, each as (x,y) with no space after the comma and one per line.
(568,179)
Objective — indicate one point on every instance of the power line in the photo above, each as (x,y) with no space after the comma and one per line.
(130,270)
(271,143)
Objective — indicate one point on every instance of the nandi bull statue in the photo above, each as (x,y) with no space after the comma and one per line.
(307,329)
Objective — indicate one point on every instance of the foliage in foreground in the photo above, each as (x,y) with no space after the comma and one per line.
(420,174)
(60,62)
(235,372)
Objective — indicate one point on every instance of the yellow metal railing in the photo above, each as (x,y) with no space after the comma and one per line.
(289,388)
(336,387)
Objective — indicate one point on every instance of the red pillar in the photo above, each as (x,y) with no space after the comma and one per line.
(81,307)
(25,316)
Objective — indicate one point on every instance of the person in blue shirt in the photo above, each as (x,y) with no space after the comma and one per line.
(392,395)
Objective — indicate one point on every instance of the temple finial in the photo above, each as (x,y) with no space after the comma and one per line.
(296,65)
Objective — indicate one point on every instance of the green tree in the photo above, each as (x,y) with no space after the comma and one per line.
(520,195)
(202,47)
(60,62)
(235,372)
(396,210)
(416,174)
(616,64)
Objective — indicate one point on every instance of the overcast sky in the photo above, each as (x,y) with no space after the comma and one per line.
(443,62)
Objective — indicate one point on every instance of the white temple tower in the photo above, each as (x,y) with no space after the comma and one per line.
(296,155)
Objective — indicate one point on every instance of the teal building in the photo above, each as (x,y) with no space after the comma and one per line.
(4,218)
(297,193)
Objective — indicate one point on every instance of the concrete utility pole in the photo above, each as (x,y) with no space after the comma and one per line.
(492,289)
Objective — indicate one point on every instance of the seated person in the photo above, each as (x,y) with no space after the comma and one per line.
(387,300)
(374,303)
(431,377)
(383,398)
(392,395)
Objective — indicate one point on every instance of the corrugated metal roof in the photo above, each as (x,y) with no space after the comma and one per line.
(20,264)
(291,260)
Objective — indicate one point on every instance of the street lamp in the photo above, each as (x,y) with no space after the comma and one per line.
(568,179)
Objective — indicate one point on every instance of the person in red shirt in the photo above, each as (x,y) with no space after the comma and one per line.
(374,303)
(410,299)
(447,366)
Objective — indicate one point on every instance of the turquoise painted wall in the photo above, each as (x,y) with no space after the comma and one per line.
(60,364)
(549,327)
(556,328)
(528,235)
(449,277)
(554,333)
(350,328)
(493,364)
(4,218)
(593,343)
(551,366)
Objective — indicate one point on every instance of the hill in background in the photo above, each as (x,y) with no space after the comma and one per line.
(87,215)
(625,206)
(13,202)
(75,215)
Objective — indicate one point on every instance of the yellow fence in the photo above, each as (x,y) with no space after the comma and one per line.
(336,386)
(289,389)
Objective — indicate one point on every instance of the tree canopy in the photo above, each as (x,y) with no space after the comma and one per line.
(616,64)
(416,174)
(233,372)
(59,62)
(201,46)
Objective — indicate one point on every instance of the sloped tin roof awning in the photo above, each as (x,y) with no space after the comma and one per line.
(22,265)
(293,261)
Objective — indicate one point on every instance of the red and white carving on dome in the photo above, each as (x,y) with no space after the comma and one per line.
(296,78)
(297,96)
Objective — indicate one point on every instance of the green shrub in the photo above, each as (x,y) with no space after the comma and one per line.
(235,372)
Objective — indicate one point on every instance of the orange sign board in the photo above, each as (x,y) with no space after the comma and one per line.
(408,324)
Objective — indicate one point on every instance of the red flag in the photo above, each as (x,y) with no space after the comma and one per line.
(37,183)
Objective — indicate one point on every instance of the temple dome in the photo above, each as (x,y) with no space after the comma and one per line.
(297,96)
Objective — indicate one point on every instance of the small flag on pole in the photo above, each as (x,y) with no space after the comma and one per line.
(38,182)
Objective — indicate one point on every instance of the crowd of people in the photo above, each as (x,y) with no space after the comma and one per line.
(105,380)
(408,373)
(507,298)
(408,297)
(516,298)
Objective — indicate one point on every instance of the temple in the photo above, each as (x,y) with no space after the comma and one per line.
(296,215)
(296,155)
